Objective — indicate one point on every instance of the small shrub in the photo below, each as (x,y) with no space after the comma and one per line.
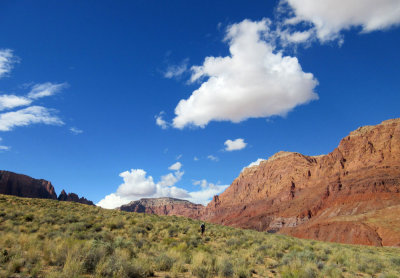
(226,268)
(29,217)
(200,271)
(163,262)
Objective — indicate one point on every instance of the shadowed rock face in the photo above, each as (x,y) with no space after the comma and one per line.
(25,186)
(164,206)
(72,197)
(351,195)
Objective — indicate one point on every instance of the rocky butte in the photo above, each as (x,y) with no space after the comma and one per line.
(351,195)
(25,186)
(164,206)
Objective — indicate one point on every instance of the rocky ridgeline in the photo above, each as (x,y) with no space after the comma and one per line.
(25,186)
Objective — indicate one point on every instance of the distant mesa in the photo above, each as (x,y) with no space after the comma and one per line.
(25,186)
(164,206)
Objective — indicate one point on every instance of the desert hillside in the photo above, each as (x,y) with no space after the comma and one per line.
(47,238)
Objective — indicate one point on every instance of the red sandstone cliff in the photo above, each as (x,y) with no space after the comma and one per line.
(25,186)
(351,195)
(164,206)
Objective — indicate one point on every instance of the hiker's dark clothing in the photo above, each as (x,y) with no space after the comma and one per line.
(203,228)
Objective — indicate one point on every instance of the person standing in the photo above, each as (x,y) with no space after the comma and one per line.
(203,228)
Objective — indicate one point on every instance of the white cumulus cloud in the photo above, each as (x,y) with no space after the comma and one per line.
(330,17)
(254,81)
(28,116)
(235,145)
(138,184)
(206,193)
(171,178)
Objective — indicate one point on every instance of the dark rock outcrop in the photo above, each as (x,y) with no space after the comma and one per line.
(164,206)
(72,197)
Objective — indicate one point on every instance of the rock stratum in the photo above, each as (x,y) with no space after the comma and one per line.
(165,206)
(25,186)
(351,195)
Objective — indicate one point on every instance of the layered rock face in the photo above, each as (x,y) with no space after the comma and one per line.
(165,206)
(25,186)
(351,195)
(72,197)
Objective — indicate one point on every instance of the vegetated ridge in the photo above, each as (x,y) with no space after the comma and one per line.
(164,206)
(25,186)
(351,195)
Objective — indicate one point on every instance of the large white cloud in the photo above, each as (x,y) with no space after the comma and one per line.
(329,17)
(254,81)
(28,116)
(138,184)
(235,145)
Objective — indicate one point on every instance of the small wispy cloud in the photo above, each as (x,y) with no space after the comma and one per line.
(213,158)
(46,89)
(176,166)
(12,101)
(75,130)
(160,121)
(27,116)
(176,71)
(195,158)
(31,114)
(7,59)
(2,147)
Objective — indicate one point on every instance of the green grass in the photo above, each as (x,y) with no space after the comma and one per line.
(46,238)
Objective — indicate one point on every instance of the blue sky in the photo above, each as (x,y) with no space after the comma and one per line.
(104,98)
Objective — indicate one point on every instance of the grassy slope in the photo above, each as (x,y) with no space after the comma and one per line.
(46,238)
